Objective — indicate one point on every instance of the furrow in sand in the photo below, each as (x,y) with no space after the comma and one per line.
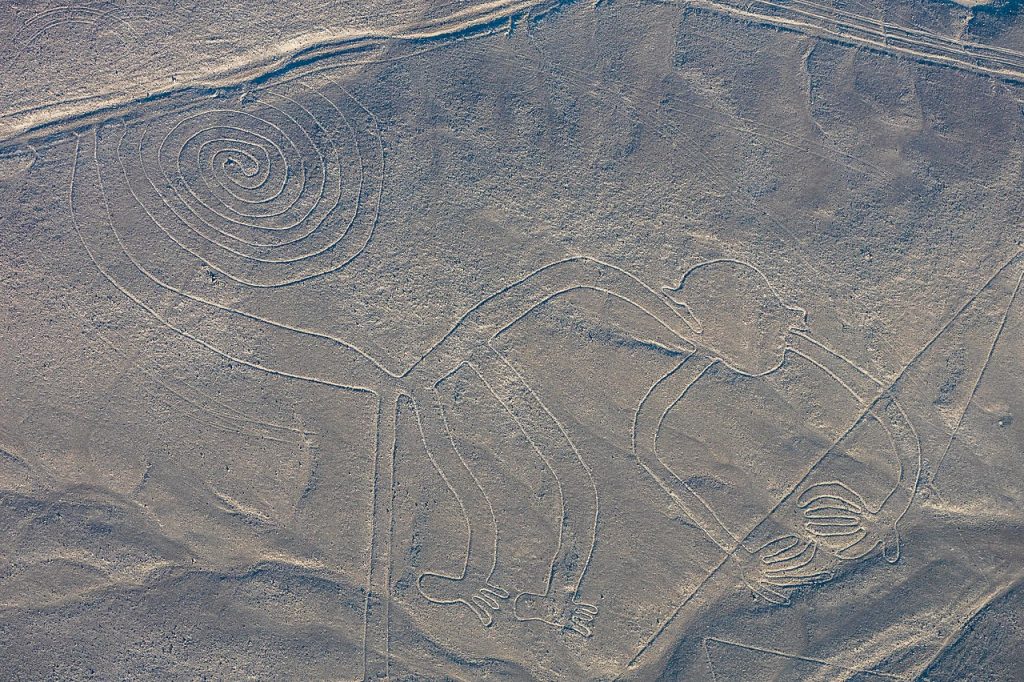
(284,60)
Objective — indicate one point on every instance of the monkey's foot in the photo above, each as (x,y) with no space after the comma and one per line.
(482,598)
(564,613)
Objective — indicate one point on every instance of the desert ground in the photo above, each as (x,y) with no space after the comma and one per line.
(512,340)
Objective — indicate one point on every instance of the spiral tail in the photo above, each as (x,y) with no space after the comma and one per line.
(274,188)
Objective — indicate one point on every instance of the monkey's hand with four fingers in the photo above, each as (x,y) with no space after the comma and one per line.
(839,517)
(784,563)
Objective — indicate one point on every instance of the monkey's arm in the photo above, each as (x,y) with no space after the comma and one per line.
(878,403)
(502,309)
(649,416)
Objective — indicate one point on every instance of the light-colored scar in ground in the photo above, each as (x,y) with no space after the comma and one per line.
(511,340)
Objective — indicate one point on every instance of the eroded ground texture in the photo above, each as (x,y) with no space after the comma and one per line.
(511,340)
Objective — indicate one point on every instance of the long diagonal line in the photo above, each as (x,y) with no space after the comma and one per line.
(795,657)
(981,374)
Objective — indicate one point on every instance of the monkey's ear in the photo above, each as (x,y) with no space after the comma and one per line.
(675,296)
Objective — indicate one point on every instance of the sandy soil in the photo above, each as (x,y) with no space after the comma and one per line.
(517,340)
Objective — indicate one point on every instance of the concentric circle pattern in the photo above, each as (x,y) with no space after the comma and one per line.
(270,190)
